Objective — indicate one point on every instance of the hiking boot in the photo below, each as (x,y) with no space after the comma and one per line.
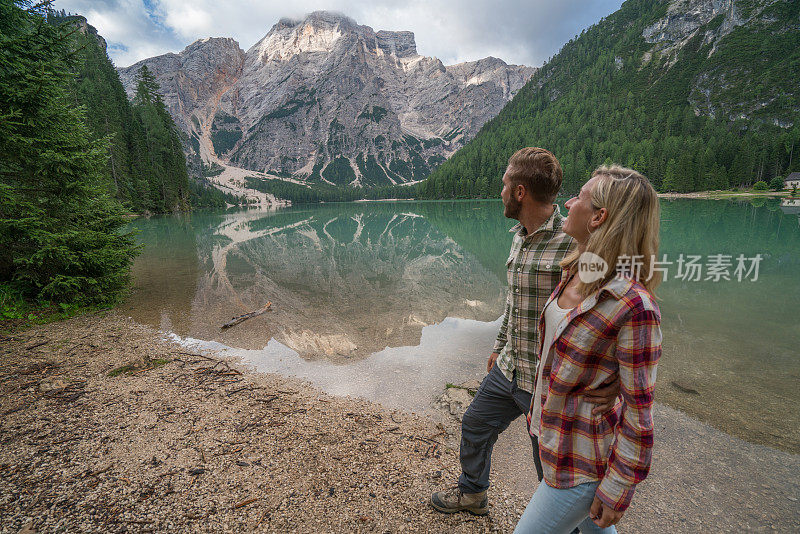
(453,500)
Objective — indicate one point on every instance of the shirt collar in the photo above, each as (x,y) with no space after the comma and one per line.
(553,224)
(617,286)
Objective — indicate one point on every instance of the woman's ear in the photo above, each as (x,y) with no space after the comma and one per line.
(598,218)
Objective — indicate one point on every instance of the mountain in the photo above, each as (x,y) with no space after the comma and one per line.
(326,99)
(697,94)
(144,165)
(364,271)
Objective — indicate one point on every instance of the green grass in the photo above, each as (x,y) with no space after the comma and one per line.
(471,391)
(18,312)
(120,370)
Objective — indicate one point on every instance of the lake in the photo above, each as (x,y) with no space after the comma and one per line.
(393,300)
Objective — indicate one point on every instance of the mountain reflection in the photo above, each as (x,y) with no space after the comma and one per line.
(344,280)
(348,280)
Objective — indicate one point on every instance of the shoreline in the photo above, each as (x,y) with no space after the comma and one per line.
(188,442)
(718,195)
(108,427)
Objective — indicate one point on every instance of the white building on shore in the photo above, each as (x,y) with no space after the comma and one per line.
(792,181)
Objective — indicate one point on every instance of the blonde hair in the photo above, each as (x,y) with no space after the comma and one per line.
(630,229)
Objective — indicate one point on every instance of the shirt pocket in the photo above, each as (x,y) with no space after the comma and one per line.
(564,374)
(546,278)
(550,261)
(510,264)
(513,253)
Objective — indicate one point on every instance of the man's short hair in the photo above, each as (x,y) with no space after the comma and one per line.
(538,171)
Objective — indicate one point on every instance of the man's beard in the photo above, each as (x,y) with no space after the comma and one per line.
(513,208)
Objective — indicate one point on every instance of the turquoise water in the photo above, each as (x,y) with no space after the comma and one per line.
(353,286)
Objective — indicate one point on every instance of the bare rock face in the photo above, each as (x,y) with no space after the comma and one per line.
(83,26)
(711,21)
(325,99)
(192,81)
(685,18)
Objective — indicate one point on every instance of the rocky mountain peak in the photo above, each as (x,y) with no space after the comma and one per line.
(399,44)
(211,43)
(328,100)
(334,18)
(320,31)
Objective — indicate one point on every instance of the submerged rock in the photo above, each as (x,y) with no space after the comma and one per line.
(457,398)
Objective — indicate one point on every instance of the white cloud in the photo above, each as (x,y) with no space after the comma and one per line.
(517,31)
(189,21)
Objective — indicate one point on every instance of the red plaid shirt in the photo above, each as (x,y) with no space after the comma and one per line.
(615,330)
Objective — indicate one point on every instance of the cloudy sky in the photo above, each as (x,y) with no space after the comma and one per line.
(517,31)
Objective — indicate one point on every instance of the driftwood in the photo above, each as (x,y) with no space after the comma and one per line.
(246,316)
(245,502)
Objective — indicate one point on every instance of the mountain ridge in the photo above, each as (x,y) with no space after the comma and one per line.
(326,99)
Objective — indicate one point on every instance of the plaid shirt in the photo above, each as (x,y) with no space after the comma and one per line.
(615,330)
(533,273)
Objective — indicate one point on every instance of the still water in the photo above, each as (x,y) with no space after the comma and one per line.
(392,300)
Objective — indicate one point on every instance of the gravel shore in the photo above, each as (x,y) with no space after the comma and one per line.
(107,427)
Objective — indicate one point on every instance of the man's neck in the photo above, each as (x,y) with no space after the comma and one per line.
(535,215)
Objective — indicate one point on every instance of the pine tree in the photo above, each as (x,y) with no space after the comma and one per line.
(147,89)
(159,154)
(108,114)
(60,232)
(671,180)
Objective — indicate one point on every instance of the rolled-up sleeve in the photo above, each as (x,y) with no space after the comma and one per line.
(638,351)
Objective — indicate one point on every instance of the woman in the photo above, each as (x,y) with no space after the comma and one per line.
(597,323)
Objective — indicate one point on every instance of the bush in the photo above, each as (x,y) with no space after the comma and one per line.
(761,185)
(776,184)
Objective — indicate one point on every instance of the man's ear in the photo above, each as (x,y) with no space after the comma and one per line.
(520,192)
(598,218)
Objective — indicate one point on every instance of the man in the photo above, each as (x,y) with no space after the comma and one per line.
(530,185)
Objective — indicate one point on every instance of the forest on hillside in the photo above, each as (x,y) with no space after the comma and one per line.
(146,167)
(75,157)
(597,101)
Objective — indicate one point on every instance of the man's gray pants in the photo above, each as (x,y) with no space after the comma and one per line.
(496,404)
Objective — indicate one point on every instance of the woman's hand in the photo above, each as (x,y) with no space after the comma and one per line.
(602,515)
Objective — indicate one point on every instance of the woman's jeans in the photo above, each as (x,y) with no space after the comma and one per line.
(559,511)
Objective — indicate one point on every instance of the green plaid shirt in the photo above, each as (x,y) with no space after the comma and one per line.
(533,274)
